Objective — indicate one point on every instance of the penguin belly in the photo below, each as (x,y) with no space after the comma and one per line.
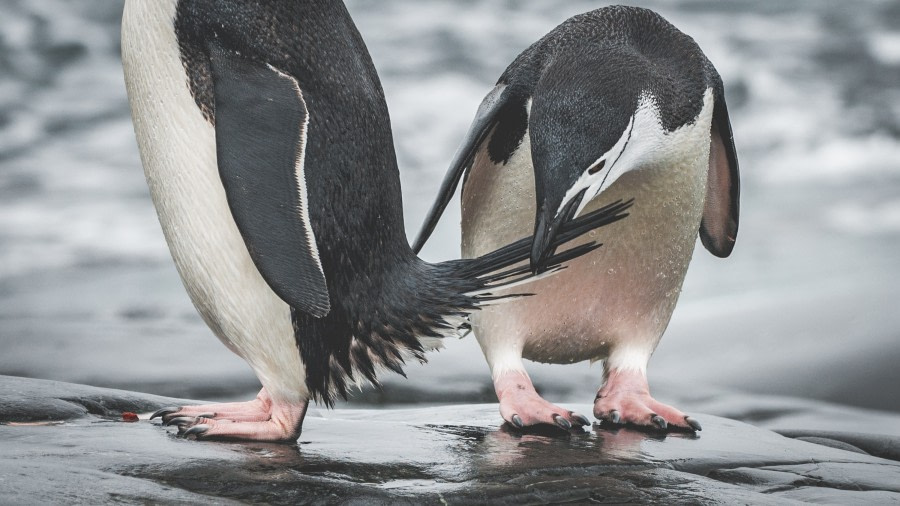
(617,299)
(178,151)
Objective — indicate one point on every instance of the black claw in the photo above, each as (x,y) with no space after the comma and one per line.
(693,423)
(165,418)
(179,420)
(517,421)
(206,415)
(562,422)
(196,431)
(582,420)
(614,417)
(164,411)
(659,422)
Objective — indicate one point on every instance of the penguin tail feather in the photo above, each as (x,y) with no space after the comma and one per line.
(499,270)
(459,287)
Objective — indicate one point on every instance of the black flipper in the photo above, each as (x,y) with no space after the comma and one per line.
(719,226)
(485,119)
(261,120)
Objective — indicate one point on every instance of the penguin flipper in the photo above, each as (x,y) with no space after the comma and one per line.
(485,119)
(261,124)
(719,225)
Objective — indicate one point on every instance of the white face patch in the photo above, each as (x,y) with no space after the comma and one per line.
(593,179)
(643,143)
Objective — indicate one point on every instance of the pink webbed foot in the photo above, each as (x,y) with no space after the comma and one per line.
(261,419)
(521,406)
(249,411)
(625,398)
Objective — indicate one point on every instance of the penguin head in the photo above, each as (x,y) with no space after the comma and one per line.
(588,128)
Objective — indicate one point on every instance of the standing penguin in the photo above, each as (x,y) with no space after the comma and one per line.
(613,104)
(266,143)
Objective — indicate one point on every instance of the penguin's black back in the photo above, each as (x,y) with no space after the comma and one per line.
(351,175)
(352,178)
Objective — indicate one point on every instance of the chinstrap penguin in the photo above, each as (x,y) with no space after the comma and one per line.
(267,147)
(614,104)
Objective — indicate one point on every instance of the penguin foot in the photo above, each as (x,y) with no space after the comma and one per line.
(256,410)
(625,399)
(262,419)
(521,406)
(283,425)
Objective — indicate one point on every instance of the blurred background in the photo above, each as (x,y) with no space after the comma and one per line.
(808,306)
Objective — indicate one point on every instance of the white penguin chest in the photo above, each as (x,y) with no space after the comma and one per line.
(621,294)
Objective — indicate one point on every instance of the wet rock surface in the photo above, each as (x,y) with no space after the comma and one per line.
(65,443)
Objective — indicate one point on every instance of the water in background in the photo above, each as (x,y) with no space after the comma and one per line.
(806,306)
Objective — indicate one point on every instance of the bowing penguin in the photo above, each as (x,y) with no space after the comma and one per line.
(614,104)
(267,147)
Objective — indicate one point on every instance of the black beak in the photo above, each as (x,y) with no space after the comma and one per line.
(546,228)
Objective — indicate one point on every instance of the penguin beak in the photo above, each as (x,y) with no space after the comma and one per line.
(546,228)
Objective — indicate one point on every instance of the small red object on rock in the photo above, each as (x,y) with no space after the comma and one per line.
(128,416)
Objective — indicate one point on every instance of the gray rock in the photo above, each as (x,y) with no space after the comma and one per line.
(65,443)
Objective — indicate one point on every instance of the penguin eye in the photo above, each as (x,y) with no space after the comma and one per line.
(597,168)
